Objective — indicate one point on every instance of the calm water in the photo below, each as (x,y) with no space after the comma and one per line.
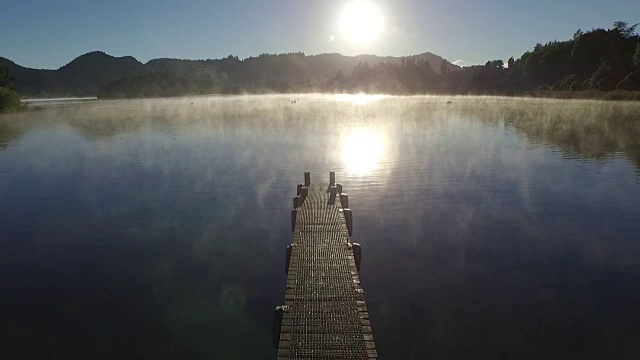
(491,228)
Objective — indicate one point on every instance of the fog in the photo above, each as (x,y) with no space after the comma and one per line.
(585,128)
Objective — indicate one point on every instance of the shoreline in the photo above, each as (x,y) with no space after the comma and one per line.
(615,96)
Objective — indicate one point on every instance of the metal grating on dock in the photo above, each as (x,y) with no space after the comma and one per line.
(324,314)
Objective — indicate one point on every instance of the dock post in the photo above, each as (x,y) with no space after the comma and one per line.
(357,254)
(339,186)
(277,324)
(332,178)
(344,200)
(307,178)
(288,260)
(348,218)
(296,202)
(333,192)
(299,189)
(294,215)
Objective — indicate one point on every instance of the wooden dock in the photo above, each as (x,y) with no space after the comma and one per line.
(324,315)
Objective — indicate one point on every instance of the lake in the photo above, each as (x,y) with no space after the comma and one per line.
(491,227)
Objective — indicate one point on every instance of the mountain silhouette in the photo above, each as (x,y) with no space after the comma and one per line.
(89,74)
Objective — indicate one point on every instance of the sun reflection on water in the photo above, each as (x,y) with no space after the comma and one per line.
(362,150)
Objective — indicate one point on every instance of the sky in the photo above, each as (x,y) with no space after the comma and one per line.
(47,34)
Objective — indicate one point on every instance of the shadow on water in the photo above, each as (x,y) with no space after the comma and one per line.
(142,229)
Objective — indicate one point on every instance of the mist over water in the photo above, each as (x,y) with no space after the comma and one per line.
(491,227)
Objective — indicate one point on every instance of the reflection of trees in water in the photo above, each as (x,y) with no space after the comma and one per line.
(592,131)
(9,133)
(12,127)
(584,129)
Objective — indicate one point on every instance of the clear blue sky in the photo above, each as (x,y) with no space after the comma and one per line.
(49,34)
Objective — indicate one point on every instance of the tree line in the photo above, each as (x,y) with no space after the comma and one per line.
(9,99)
(597,61)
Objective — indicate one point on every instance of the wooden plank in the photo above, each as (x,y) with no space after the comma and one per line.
(323,289)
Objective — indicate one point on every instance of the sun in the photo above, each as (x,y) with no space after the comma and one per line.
(361,22)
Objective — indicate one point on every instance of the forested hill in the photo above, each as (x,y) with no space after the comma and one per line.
(97,73)
(84,76)
(593,62)
(597,61)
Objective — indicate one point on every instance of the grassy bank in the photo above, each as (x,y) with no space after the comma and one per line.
(615,95)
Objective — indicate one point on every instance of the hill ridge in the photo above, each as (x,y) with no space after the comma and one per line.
(88,73)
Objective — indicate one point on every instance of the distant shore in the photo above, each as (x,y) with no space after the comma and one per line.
(616,95)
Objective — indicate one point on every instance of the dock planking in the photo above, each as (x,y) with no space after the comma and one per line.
(324,315)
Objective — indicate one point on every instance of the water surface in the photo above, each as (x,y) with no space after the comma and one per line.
(491,227)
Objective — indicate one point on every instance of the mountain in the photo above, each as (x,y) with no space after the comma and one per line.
(84,76)
(93,72)
(90,72)
(587,65)
(31,82)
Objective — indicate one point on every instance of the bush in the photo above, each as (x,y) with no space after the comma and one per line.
(9,100)
(631,82)
(602,78)
(568,83)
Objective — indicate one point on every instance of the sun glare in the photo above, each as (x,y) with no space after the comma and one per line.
(361,22)
(362,150)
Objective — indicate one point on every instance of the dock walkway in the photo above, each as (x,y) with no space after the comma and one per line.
(324,315)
